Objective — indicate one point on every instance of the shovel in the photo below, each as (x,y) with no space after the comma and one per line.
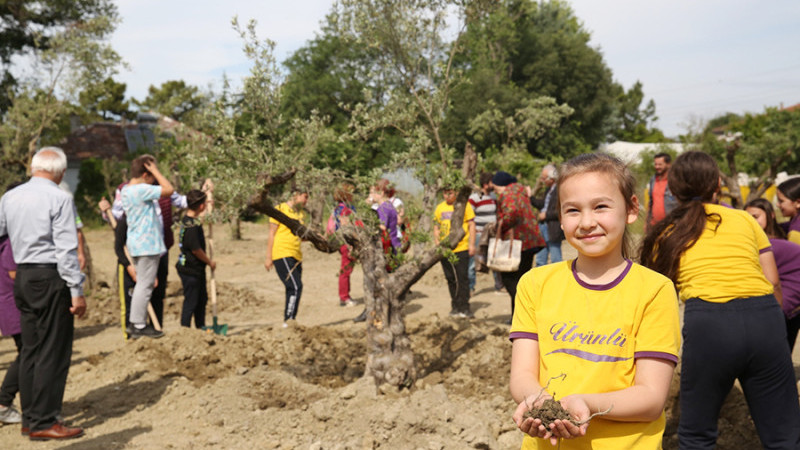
(217,328)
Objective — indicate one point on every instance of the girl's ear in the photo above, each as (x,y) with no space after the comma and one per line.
(633,211)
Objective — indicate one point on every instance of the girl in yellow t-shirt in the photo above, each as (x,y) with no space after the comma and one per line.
(600,329)
(723,265)
(284,254)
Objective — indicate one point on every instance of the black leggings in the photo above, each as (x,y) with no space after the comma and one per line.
(290,271)
(742,339)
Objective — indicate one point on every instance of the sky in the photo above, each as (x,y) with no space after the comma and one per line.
(695,59)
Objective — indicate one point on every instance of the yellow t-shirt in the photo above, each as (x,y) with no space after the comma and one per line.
(442,216)
(793,236)
(286,244)
(594,334)
(724,264)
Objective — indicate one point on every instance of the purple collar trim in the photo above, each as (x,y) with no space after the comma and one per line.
(601,287)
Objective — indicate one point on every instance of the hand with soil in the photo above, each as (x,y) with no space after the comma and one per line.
(543,417)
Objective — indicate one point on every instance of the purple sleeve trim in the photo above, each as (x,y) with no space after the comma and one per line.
(600,287)
(765,250)
(657,355)
(523,335)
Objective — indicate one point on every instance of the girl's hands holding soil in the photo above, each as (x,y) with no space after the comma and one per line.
(576,406)
(529,425)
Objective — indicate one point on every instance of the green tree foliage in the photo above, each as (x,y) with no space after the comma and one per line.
(760,145)
(29,25)
(249,141)
(174,99)
(518,49)
(71,55)
(104,100)
(326,78)
(634,122)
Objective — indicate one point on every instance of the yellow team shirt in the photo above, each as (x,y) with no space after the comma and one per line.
(442,216)
(286,244)
(724,263)
(793,236)
(594,334)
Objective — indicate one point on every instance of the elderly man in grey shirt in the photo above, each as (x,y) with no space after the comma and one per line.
(39,219)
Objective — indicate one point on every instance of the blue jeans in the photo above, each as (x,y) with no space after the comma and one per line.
(471,268)
(552,248)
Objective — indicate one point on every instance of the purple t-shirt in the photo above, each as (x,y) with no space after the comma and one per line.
(787,258)
(9,314)
(388,216)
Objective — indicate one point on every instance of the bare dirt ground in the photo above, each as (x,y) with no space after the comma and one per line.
(302,387)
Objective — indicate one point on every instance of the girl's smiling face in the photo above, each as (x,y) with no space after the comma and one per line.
(787,206)
(594,214)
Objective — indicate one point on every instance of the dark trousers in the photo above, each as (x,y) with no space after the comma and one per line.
(511,279)
(43,300)
(160,291)
(457,276)
(745,339)
(10,385)
(195,298)
(792,327)
(290,271)
(126,285)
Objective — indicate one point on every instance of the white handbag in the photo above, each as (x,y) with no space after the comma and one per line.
(504,254)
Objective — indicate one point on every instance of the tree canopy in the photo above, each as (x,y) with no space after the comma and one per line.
(30,25)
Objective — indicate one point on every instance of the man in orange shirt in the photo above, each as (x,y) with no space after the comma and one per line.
(661,200)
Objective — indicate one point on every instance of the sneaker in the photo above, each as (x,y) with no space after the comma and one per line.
(461,314)
(285,325)
(147,331)
(9,414)
(347,303)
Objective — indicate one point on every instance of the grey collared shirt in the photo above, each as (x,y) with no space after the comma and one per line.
(39,219)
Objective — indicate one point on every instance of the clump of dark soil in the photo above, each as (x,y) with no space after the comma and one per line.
(549,412)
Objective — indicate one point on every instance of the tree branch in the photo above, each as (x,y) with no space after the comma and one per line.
(261,203)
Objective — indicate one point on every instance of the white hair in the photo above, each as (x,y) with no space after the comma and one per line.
(551,170)
(49,159)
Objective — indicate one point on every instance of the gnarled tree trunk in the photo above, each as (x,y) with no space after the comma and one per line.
(390,358)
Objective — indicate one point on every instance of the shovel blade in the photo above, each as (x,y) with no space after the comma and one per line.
(217,328)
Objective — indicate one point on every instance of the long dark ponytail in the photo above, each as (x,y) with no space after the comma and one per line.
(693,179)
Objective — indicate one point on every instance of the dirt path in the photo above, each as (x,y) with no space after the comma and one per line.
(264,386)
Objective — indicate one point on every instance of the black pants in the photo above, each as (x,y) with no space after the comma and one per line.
(10,385)
(126,284)
(746,339)
(457,276)
(290,271)
(160,291)
(792,327)
(195,298)
(511,279)
(43,300)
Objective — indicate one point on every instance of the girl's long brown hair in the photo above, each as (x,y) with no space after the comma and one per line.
(693,179)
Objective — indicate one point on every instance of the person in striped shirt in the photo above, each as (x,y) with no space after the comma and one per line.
(485,206)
